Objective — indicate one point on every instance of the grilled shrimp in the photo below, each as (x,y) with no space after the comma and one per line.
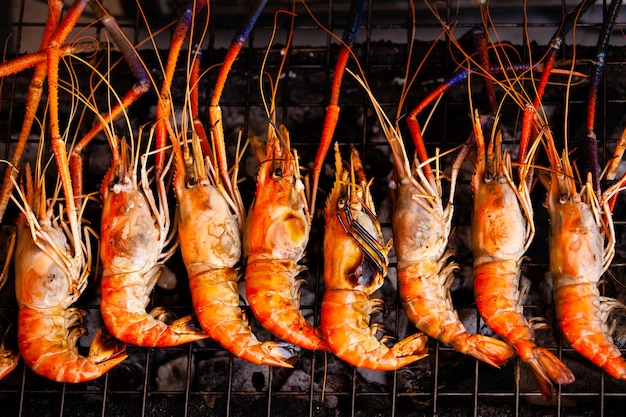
(209,231)
(275,237)
(134,239)
(355,265)
(502,230)
(580,224)
(50,276)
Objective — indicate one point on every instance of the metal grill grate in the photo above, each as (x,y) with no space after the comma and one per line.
(202,378)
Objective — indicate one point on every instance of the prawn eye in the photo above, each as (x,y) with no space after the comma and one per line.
(192,181)
(278,173)
(341,203)
(563,198)
(115,187)
(488,177)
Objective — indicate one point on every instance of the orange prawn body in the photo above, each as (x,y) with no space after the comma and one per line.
(355,265)
(275,238)
(209,231)
(49,279)
(133,237)
(502,229)
(578,258)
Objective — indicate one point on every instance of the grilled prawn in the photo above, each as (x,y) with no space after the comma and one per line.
(275,237)
(50,276)
(582,243)
(355,265)
(502,229)
(134,238)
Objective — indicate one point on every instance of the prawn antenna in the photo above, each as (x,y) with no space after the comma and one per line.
(332,110)
(594,83)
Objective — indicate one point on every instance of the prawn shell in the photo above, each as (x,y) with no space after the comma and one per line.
(417,233)
(208,232)
(498,226)
(48,349)
(277,226)
(128,232)
(426,301)
(273,295)
(346,327)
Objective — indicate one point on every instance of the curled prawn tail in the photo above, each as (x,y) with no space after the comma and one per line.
(616,367)
(345,322)
(546,367)
(216,302)
(129,321)
(274,294)
(105,347)
(495,352)
(49,349)
(583,316)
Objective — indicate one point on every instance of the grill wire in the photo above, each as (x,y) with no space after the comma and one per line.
(202,378)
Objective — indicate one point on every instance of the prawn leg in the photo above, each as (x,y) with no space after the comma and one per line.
(164,105)
(9,352)
(35,91)
(569,20)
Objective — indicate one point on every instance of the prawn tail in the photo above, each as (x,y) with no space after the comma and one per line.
(616,367)
(274,297)
(152,329)
(347,329)
(402,353)
(495,352)
(411,348)
(215,299)
(50,349)
(64,365)
(281,354)
(125,316)
(106,348)
(546,369)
